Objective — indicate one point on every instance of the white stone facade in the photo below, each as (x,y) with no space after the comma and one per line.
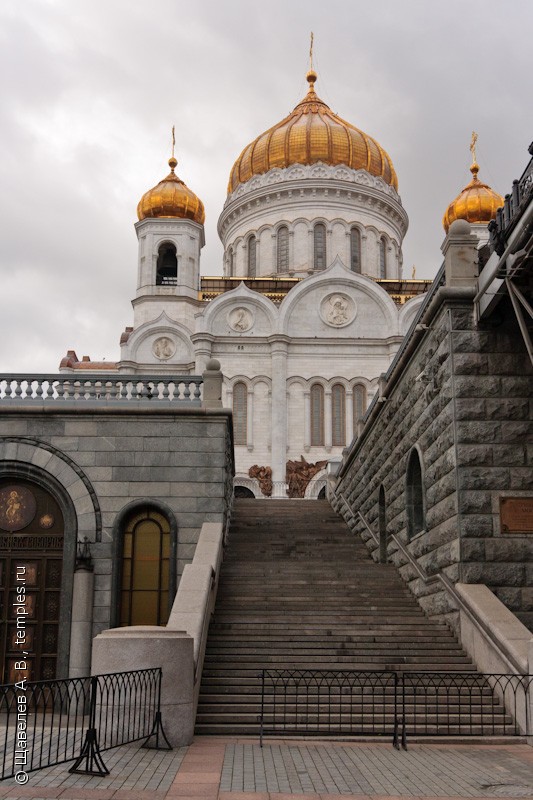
(300,196)
(298,373)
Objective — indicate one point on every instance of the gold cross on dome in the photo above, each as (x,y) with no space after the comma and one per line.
(473,146)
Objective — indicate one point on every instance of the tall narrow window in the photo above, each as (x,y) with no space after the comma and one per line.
(231,265)
(415,495)
(240,413)
(282,250)
(144,597)
(317,414)
(338,415)
(359,403)
(167,265)
(355,250)
(382,513)
(319,258)
(382,258)
(252,256)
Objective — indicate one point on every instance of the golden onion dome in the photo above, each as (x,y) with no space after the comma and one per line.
(312,133)
(171,198)
(477,203)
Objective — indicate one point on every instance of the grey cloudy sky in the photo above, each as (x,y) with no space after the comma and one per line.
(91,89)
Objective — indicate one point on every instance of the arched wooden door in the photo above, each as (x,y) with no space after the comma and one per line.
(31,565)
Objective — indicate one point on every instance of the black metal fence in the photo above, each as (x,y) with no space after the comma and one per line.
(394,704)
(52,722)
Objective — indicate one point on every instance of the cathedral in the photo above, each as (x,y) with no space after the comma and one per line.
(312,304)
(252,384)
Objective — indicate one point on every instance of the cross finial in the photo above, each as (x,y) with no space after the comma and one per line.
(311,52)
(173,140)
(473,146)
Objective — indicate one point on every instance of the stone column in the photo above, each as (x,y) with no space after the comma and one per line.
(278,349)
(349,417)
(81,621)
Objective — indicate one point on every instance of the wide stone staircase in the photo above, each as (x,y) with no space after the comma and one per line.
(298,591)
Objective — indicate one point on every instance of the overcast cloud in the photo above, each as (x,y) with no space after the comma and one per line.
(91,89)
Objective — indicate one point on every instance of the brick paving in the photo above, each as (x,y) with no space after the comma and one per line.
(215,768)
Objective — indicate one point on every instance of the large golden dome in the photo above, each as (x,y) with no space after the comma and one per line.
(171,198)
(476,203)
(312,133)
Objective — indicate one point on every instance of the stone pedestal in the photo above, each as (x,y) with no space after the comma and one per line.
(144,647)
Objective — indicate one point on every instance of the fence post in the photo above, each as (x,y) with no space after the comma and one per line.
(90,752)
(157,729)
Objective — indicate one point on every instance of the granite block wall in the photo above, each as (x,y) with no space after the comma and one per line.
(104,462)
(463,400)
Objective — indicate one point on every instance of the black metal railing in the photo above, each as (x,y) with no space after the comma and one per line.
(52,722)
(394,704)
(329,702)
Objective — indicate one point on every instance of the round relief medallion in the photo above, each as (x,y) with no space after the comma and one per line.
(17,507)
(164,348)
(46,521)
(337,310)
(240,319)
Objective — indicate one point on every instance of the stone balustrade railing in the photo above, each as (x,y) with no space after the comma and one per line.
(82,387)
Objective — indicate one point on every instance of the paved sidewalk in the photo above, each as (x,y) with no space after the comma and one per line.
(215,768)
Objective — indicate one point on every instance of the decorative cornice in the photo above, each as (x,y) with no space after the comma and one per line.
(311,172)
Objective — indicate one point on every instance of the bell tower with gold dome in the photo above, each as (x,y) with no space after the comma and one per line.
(309,189)
(170,230)
(477,203)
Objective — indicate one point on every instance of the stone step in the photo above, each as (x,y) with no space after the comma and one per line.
(298,591)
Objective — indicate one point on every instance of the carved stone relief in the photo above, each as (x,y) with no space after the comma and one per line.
(337,310)
(240,319)
(299,475)
(263,475)
(164,348)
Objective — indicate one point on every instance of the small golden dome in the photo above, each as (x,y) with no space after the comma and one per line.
(171,198)
(477,202)
(312,133)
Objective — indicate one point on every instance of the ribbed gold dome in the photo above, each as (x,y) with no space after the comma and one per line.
(312,133)
(476,203)
(171,198)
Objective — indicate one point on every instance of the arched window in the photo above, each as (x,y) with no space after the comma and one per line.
(338,415)
(355,250)
(359,403)
(319,239)
(231,265)
(317,414)
(382,258)
(382,513)
(240,413)
(252,257)
(167,265)
(144,590)
(282,249)
(416,521)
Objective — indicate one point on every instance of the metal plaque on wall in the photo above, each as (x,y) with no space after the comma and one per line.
(516,514)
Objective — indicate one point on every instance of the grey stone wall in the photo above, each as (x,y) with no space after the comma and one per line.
(463,400)
(103,462)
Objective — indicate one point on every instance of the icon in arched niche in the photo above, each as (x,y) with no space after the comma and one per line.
(337,310)
(240,319)
(17,508)
(164,348)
